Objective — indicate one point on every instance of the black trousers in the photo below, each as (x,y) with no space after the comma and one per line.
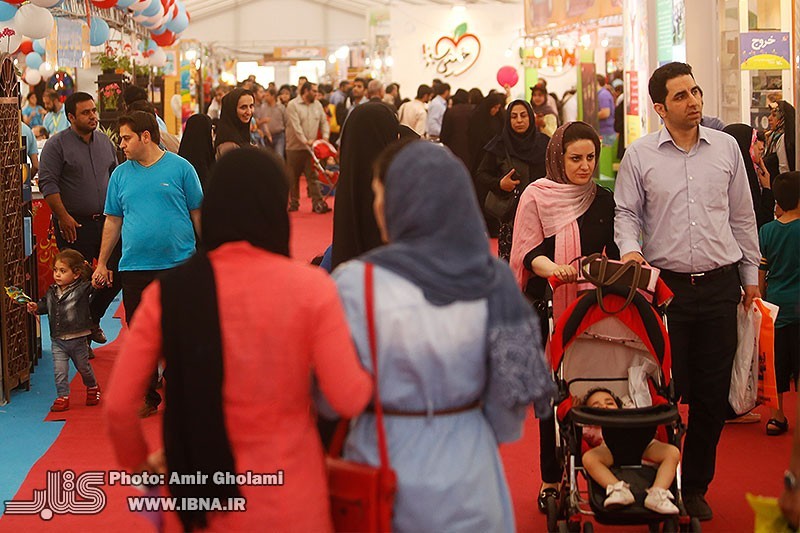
(133,284)
(703,334)
(89,236)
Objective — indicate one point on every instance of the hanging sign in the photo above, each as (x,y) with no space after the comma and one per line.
(70,43)
(764,50)
(453,56)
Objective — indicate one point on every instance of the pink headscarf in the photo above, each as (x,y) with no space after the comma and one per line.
(550,207)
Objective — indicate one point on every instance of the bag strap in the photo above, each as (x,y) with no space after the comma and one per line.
(599,281)
(369,296)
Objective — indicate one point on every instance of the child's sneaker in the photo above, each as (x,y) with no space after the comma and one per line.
(618,495)
(658,501)
(92,395)
(61,404)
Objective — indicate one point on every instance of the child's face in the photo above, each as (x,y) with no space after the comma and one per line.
(63,274)
(601,400)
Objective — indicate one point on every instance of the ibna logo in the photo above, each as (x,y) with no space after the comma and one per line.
(64,494)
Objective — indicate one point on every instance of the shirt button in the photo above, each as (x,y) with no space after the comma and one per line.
(694,223)
(691,201)
(690,178)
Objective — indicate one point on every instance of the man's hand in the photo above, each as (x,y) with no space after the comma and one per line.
(69,227)
(750,292)
(634,256)
(102,277)
(507,182)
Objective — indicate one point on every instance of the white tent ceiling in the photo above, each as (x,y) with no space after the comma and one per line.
(201,9)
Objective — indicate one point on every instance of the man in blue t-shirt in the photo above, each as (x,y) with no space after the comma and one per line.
(605,112)
(153,203)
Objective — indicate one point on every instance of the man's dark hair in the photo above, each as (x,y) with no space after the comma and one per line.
(134,93)
(362,81)
(142,105)
(391,87)
(601,80)
(50,93)
(659,79)
(140,122)
(307,86)
(285,87)
(786,189)
(441,88)
(423,90)
(343,84)
(272,91)
(72,101)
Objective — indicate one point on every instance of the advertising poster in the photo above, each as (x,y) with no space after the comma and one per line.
(765,50)
(637,69)
(539,14)
(70,43)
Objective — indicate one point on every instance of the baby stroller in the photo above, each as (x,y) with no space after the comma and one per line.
(327,175)
(613,337)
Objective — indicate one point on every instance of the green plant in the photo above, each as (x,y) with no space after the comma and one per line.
(111,134)
(108,62)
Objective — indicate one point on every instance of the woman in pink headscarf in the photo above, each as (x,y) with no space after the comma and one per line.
(559,219)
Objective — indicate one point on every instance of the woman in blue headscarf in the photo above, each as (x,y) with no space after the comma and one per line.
(458,347)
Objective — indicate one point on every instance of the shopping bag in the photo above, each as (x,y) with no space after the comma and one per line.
(743,395)
(768,516)
(767,383)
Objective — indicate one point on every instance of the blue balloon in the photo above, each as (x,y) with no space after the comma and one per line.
(179,24)
(152,10)
(7,11)
(34,60)
(99,32)
(152,46)
(38,46)
(125,4)
(158,31)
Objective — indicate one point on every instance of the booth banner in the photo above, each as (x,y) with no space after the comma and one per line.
(765,50)
(70,43)
(453,56)
(540,13)
(300,52)
(46,248)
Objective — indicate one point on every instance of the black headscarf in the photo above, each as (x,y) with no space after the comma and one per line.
(197,146)
(195,438)
(522,146)
(785,132)
(483,127)
(369,129)
(763,201)
(229,127)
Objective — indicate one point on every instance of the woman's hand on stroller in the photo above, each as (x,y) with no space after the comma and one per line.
(565,273)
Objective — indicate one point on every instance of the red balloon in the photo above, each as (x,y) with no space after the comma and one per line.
(104,4)
(165,39)
(26,46)
(14,2)
(507,76)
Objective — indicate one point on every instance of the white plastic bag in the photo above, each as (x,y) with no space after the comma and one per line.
(744,377)
(637,382)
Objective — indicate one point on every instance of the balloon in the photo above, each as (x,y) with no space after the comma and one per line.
(34,60)
(15,2)
(34,21)
(46,70)
(104,4)
(26,46)
(32,77)
(7,11)
(165,39)
(45,3)
(140,6)
(507,76)
(159,58)
(158,31)
(98,33)
(10,43)
(153,9)
(179,23)
(125,4)
(39,46)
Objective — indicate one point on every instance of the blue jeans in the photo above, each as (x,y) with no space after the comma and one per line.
(78,351)
(279,144)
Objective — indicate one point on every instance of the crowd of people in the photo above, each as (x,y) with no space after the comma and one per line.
(460,334)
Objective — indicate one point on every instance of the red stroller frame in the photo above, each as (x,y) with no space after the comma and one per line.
(590,347)
(321,150)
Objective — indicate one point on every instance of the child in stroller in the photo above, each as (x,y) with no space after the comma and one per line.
(598,460)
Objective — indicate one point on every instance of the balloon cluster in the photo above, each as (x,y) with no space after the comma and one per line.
(166,20)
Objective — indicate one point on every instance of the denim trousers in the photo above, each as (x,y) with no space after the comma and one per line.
(78,351)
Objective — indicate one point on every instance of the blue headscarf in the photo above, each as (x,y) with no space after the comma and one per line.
(438,242)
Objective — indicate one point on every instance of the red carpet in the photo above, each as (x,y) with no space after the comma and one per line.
(748,460)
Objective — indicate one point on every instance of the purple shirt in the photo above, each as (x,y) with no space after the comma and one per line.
(606,100)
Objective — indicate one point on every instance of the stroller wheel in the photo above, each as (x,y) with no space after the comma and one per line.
(552,514)
(694,526)
(563,527)
(588,527)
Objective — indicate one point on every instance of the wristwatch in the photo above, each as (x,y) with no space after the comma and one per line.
(789,481)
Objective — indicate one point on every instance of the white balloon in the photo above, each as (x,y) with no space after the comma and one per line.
(159,58)
(32,77)
(46,70)
(177,105)
(141,5)
(11,43)
(33,21)
(45,3)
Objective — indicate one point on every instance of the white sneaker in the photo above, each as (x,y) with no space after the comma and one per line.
(658,501)
(618,495)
